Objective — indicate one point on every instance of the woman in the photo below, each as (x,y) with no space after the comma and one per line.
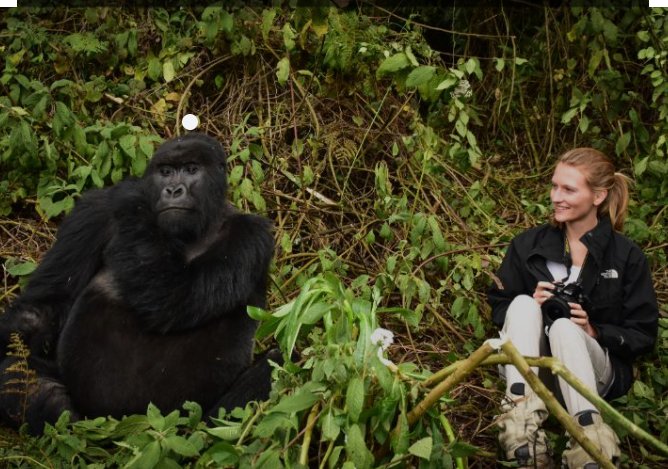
(614,321)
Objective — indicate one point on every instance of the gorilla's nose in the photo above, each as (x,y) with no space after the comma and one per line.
(174,192)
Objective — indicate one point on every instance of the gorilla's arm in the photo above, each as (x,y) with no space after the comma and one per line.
(170,293)
(64,272)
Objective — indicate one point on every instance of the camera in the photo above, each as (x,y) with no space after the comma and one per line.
(557,306)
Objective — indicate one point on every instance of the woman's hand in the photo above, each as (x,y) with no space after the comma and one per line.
(580,317)
(543,292)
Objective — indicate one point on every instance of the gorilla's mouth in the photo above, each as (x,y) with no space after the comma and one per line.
(175,209)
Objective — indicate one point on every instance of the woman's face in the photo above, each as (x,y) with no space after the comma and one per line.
(572,198)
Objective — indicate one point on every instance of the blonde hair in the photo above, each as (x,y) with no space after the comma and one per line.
(601,175)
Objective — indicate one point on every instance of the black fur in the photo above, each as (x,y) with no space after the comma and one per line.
(143,298)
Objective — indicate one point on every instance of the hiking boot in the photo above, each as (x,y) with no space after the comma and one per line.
(521,437)
(575,457)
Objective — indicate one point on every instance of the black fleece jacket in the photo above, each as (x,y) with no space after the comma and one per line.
(615,277)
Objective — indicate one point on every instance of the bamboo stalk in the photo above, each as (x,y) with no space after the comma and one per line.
(465,368)
(605,408)
(457,371)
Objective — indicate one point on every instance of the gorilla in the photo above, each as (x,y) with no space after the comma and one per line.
(142,299)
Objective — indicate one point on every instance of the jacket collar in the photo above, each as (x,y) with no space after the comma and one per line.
(598,238)
(551,247)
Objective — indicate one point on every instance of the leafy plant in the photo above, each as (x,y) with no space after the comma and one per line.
(397,153)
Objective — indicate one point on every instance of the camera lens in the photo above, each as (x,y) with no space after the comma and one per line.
(554,308)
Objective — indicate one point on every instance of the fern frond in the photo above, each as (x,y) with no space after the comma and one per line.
(23,380)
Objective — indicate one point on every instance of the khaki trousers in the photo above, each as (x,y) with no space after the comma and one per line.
(566,341)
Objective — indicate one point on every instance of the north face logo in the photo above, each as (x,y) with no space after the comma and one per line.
(610,273)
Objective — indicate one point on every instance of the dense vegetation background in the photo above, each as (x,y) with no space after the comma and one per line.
(397,151)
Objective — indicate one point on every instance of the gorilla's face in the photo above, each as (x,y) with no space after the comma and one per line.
(177,207)
(187,180)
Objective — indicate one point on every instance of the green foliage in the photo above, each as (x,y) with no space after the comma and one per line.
(396,160)
(349,396)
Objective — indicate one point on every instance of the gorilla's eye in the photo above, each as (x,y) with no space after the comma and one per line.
(166,171)
(192,168)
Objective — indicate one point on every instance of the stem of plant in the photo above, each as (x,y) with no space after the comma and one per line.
(308,433)
(616,418)
(465,368)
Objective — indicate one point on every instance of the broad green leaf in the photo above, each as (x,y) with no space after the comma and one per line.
(622,142)
(269,459)
(194,413)
(422,448)
(411,57)
(52,209)
(146,145)
(223,454)
(139,164)
(283,70)
(127,143)
(471,139)
(400,439)
(155,418)
(180,446)
(268,16)
(330,428)
(355,398)
(300,400)
(19,111)
(246,188)
(420,75)
(132,425)
(24,268)
(288,37)
(314,313)
(62,118)
(356,449)
(226,21)
(273,423)
(230,433)
(594,62)
(393,64)
(448,82)
(154,68)
(568,115)
(168,72)
(258,314)
(147,458)
(641,389)
(471,65)
(460,127)
(235,175)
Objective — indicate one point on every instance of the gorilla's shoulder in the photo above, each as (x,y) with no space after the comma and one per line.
(246,228)
(92,208)
(250,221)
(99,199)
